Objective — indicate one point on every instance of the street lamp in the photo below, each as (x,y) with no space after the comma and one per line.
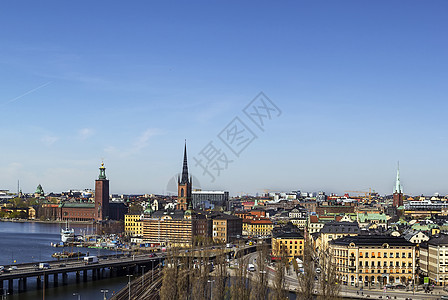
(129,285)
(104,293)
(77,294)
(143,275)
(211,288)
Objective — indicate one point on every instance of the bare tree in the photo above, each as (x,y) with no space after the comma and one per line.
(240,288)
(329,285)
(168,290)
(306,273)
(280,274)
(261,277)
(200,277)
(220,278)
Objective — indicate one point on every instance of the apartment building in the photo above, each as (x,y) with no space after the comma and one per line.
(374,260)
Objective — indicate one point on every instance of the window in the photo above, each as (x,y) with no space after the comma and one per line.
(367,254)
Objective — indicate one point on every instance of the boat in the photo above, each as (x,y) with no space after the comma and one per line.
(67,234)
(67,254)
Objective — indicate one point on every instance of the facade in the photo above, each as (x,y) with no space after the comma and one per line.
(374,260)
(77,211)
(335,230)
(133,224)
(290,244)
(209,199)
(226,228)
(434,260)
(299,222)
(102,196)
(184,186)
(257,227)
(174,228)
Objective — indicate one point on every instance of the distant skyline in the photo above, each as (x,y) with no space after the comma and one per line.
(358,87)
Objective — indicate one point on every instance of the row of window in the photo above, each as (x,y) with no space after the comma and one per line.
(391,264)
(391,255)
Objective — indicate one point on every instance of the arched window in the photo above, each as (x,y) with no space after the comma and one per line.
(181,192)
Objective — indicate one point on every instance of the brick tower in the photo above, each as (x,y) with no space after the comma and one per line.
(184,186)
(102,195)
(398,191)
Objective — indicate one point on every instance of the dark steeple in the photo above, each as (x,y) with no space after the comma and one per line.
(185,167)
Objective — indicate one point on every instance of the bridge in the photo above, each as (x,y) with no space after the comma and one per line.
(107,266)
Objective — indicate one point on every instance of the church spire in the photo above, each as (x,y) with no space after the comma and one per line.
(185,167)
(398,188)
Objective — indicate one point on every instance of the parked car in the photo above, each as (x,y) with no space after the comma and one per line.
(12,268)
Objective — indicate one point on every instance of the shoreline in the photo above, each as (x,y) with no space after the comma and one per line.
(45,222)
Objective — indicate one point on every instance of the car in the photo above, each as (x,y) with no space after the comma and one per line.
(444,297)
(400,286)
(152,255)
(12,268)
(62,265)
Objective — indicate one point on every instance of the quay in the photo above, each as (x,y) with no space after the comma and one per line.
(107,266)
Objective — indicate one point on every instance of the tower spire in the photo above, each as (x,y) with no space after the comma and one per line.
(398,188)
(185,166)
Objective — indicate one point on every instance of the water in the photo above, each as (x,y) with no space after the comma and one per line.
(31,242)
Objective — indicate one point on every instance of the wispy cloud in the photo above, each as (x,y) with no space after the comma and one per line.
(49,140)
(26,93)
(85,133)
(140,142)
(143,140)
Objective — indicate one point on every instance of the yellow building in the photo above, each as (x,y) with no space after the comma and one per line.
(133,224)
(374,260)
(258,227)
(290,244)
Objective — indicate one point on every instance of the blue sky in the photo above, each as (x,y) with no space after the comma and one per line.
(360,85)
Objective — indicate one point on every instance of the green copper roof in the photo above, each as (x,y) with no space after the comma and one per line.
(102,172)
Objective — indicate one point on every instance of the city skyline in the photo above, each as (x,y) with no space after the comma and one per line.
(358,86)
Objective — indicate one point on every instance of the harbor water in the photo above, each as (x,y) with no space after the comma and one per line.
(31,242)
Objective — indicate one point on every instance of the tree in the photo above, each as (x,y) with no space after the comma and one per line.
(280,274)
(306,273)
(168,290)
(240,288)
(261,277)
(220,278)
(329,285)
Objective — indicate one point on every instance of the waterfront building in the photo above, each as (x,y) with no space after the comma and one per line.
(374,259)
(133,224)
(174,228)
(102,195)
(86,210)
